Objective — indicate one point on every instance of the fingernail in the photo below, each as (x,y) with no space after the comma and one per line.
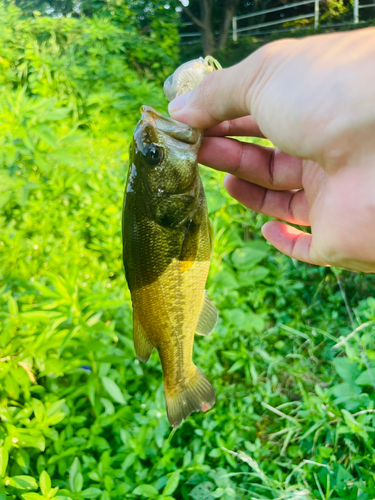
(178,103)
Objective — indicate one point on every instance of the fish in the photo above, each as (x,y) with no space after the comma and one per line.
(167,248)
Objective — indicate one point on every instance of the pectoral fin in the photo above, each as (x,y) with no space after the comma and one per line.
(143,346)
(208,317)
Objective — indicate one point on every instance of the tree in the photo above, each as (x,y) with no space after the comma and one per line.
(61,7)
(205,24)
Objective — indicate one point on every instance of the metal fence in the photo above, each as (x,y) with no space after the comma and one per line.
(238,31)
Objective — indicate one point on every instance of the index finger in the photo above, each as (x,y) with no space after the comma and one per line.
(267,167)
(240,127)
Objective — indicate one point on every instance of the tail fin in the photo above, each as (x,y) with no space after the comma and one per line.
(196,395)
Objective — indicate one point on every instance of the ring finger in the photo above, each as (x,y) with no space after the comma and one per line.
(290,206)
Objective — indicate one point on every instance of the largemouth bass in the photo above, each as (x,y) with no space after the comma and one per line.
(167,239)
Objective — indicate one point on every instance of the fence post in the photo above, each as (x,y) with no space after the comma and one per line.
(316,17)
(234,28)
(356,11)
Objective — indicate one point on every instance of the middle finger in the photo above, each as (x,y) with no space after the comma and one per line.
(267,167)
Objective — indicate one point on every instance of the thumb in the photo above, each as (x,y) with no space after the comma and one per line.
(223,95)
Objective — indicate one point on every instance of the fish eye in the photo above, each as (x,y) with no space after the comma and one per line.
(154,154)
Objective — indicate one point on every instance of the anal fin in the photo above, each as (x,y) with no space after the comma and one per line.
(142,344)
(208,317)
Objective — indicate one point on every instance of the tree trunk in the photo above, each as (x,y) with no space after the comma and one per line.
(204,24)
(208,35)
(208,42)
(229,11)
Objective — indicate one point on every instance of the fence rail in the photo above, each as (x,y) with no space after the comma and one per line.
(271,23)
(275,9)
(236,31)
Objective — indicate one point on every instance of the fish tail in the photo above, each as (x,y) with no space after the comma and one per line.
(194,394)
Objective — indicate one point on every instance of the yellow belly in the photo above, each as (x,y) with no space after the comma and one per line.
(168,310)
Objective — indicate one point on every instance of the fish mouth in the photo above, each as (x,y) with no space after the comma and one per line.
(179,131)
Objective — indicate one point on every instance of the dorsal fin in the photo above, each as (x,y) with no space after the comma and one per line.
(208,317)
(142,344)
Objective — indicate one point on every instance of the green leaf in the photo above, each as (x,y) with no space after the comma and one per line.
(172,483)
(53,491)
(219,492)
(325,451)
(56,114)
(62,156)
(215,453)
(91,493)
(113,390)
(45,483)
(12,306)
(4,457)
(249,255)
(215,201)
(354,425)
(122,489)
(55,408)
(342,477)
(252,276)
(230,492)
(94,319)
(45,133)
(78,482)
(227,280)
(202,491)
(12,387)
(146,490)
(247,321)
(346,390)
(39,410)
(22,482)
(347,370)
(30,438)
(32,496)
(236,366)
(108,405)
(365,378)
(23,460)
(5,197)
(74,471)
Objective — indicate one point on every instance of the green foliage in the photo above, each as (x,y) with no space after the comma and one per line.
(80,417)
(87,65)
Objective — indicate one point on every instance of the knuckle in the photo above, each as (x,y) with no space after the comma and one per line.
(290,209)
(262,202)
(271,167)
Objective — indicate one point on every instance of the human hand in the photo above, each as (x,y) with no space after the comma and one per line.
(315,100)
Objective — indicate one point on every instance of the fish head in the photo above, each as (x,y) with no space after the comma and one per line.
(163,155)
